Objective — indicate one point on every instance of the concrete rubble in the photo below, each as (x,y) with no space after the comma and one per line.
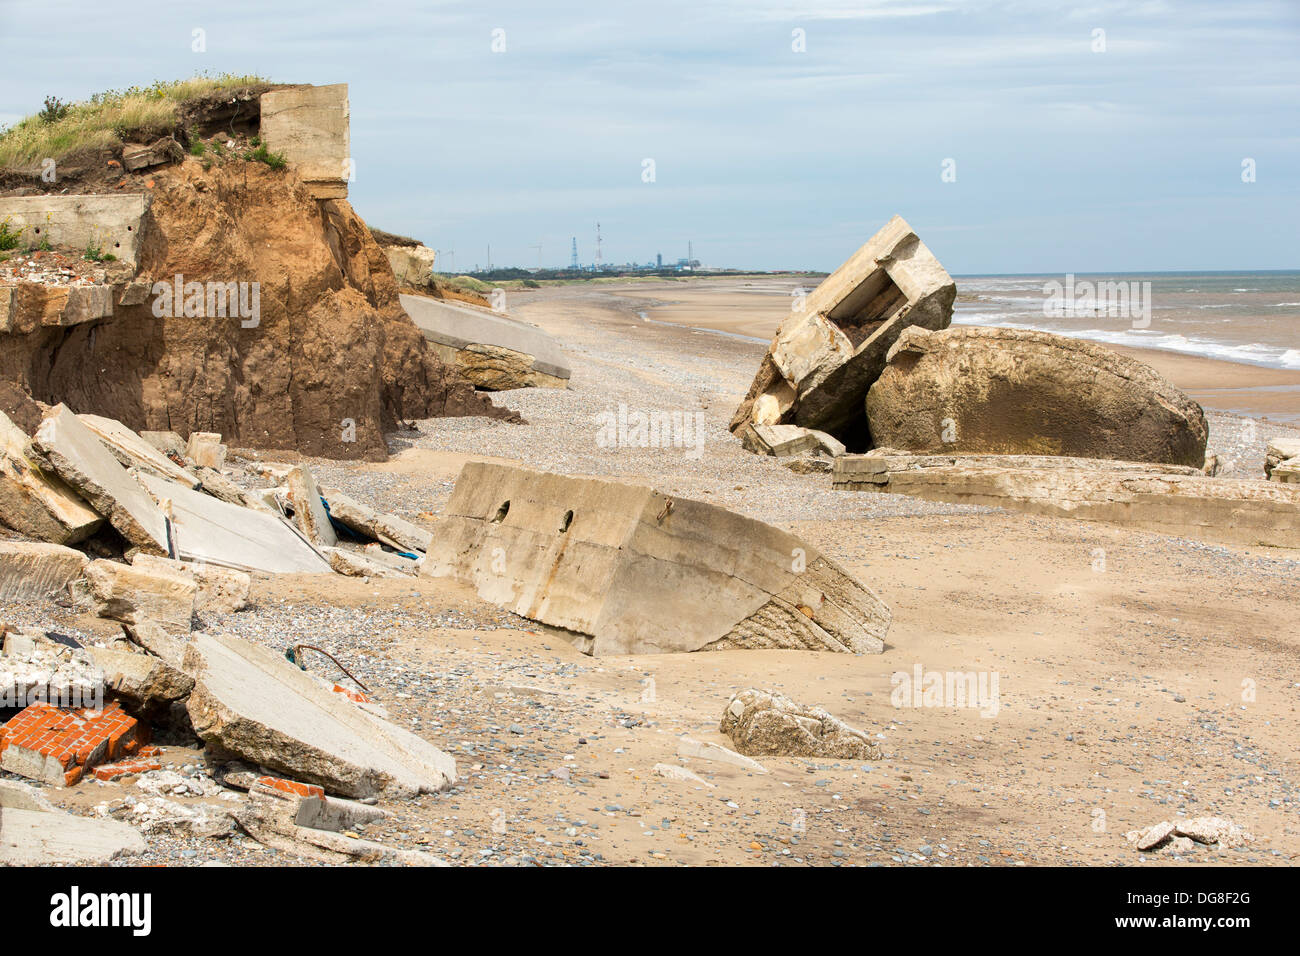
(1180,836)
(831,349)
(630,570)
(132,594)
(766,724)
(308,509)
(1282,460)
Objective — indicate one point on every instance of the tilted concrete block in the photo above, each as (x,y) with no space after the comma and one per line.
(31,570)
(826,356)
(633,571)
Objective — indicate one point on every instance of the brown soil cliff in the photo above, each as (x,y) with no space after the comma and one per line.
(332,345)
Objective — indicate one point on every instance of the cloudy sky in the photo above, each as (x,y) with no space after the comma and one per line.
(1077,137)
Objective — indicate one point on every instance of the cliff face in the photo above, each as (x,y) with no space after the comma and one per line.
(321,358)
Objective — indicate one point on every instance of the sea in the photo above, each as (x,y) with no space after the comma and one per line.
(1248,317)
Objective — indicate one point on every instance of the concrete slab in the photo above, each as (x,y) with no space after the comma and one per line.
(309,512)
(1224,510)
(70,449)
(390,529)
(226,535)
(633,571)
(33,570)
(34,833)
(112,224)
(34,502)
(132,595)
(134,451)
(460,328)
(250,701)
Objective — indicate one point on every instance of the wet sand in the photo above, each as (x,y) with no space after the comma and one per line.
(754,306)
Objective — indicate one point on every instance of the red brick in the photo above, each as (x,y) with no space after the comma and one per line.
(77,740)
(111,771)
(353,695)
(292,787)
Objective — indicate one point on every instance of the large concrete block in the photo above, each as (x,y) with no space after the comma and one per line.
(825,356)
(250,701)
(492,351)
(309,125)
(111,224)
(634,571)
(70,449)
(134,451)
(133,595)
(309,512)
(412,265)
(37,503)
(32,570)
(33,832)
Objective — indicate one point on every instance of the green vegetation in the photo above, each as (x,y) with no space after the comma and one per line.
(264,155)
(106,119)
(197,146)
(8,237)
(55,109)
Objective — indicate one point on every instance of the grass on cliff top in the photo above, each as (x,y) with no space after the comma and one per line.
(106,119)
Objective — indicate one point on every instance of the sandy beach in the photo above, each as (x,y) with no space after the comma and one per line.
(1140,677)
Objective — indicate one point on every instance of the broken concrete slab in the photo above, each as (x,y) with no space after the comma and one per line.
(358,564)
(391,530)
(272,818)
(205,450)
(827,354)
(169,443)
(1278,451)
(34,502)
(132,594)
(493,351)
(876,466)
(783,441)
(310,127)
(693,749)
(214,483)
(975,389)
(140,156)
(1286,472)
(412,265)
(37,666)
(155,639)
(673,772)
(630,570)
(211,531)
(1223,510)
(35,833)
(33,570)
(760,723)
(219,590)
(64,445)
(110,224)
(133,451)
(251,702)
(309,512)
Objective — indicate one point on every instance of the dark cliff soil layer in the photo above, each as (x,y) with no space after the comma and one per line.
(330,365)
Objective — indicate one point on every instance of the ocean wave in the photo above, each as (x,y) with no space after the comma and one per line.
(1253,353)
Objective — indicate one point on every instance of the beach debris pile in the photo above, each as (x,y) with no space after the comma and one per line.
(1181,836)
(174,537)
(630,570)
(761,723)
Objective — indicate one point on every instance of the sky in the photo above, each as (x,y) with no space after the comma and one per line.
(1014,136)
